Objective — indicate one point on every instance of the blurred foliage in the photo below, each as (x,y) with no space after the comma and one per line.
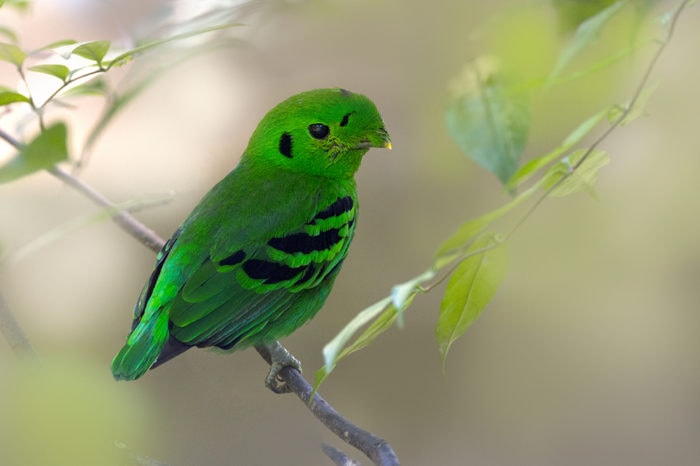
(488,115)
(45,151)
(62,412)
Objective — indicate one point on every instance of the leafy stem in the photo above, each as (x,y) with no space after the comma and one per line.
(473,260)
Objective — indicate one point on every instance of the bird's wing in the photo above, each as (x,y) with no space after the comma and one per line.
(236,294)
(147,290)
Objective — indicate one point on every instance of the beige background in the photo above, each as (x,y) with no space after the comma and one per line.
(587,355)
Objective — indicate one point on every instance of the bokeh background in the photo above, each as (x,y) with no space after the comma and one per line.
(587,355)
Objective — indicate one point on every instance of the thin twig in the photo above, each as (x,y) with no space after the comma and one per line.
(615,124)
(337,456)
(124,219)
(376,448)
(12,332)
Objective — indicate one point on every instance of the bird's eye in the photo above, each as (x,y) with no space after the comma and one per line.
(319,131)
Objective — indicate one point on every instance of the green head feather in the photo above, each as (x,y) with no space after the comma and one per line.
(323,132)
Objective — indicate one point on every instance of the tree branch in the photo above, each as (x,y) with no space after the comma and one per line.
(377,449)
(124,219)
(337,456)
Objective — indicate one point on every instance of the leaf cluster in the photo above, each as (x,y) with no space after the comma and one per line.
(80,69)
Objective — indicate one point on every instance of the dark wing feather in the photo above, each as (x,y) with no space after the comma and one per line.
(264,292)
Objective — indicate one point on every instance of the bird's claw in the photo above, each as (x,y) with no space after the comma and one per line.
(281,358)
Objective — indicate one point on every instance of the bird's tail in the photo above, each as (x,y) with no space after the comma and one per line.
(142,348)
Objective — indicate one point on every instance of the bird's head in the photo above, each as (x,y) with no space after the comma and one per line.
(323,132)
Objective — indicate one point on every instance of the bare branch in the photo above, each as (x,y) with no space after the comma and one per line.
(12,332)
(377,449)
(124,219)
(337,456)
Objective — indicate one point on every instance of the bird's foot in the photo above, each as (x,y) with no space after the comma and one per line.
(280,358)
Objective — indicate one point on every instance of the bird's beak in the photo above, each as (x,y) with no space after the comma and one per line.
(379,139)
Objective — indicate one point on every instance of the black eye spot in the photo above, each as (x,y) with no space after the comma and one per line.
(286,145)
(319,131)
(345,119)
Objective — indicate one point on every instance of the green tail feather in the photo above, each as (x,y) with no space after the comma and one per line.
(142,348)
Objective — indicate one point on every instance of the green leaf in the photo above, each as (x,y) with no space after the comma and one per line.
(586,33)
(59,71)
(637,110)
(10,97)
(488,118)
(12,54)
(572,13)
(54,45)
(469,290)
(45,151)
(466,234)
(334,351)
(95,50)
(8,33)
(130,54)
(336,345)
(403,293)
(118,102)
(534,165)
(93,87)
(568,181)
(19,5)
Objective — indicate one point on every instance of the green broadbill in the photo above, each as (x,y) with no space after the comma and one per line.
(258,255)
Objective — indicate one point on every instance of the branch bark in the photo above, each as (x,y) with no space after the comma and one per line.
(377,449)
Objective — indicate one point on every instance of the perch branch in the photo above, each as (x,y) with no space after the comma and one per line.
(377,449)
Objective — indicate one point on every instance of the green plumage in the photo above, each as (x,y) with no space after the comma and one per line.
(258,256)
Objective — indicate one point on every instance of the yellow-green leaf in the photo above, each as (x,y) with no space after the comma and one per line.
(489,117)
(336,350)
(469,290)
(95,50)
(458,243)
(583,177)
(403,293)
(532,166)
(7,32)
(45,151)
(55,44)
(9,97)
(95,86)
(586,33)
(629,114)
(12,54)
(59,71)
(336,345)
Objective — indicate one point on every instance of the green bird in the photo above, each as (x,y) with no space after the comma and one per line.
(258,255)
